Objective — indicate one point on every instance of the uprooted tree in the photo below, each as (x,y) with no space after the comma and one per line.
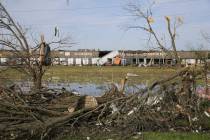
(13,38)
(138,11)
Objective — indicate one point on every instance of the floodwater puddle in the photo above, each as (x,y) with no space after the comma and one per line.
(81,88)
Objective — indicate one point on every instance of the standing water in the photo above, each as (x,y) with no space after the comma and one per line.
(81,88)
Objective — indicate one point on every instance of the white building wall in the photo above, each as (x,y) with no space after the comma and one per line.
(63,61)
(85,61)
(78,61)
(70,61)
(94,61)
(190,61)
(67,53)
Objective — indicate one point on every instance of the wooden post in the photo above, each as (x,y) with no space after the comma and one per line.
(42,50)
(122,85)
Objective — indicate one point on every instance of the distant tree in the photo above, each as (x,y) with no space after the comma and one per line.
(147,15)
(13,38)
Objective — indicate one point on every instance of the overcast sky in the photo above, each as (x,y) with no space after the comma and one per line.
(101,24)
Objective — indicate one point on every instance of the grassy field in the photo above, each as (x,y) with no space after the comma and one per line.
(147,136)
(93,74)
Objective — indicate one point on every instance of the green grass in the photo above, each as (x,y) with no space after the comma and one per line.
(95,74)
(176,136)
(98,75)
(147,136)
(107,74)
(12,74)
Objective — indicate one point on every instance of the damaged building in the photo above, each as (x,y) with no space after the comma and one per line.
(117,57)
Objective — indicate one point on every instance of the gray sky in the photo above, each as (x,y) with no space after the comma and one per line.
(102,23)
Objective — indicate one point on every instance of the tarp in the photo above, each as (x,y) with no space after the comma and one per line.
(117,60)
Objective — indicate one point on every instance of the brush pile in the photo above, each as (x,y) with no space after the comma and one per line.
(167,105)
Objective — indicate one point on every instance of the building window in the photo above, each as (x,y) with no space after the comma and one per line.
(141,60)
(134,60)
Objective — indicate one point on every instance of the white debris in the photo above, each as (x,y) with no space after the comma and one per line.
(207,114)
(132,111)
(114,108)
(131,75)
(194,119)
(158,108)
(99,124)
(154,100)
(42,96)
(139,133)
(75,93)
(71,109)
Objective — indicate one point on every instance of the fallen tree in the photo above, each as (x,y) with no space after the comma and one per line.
(167,105)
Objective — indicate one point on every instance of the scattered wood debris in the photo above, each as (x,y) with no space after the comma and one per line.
(169,104)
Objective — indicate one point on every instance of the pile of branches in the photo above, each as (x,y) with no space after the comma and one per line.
(33,115)
(169,104)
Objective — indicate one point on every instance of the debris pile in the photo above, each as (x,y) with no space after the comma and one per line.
(167,105)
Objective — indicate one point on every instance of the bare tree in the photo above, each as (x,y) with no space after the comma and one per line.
(13,37)
(137,11)
(172,34)
(147,15)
